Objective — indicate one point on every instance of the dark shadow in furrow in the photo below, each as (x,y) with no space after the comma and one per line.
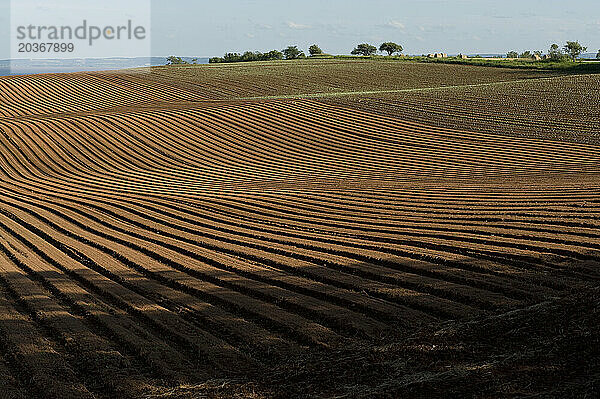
(313,260)
(521,261)
(68,373)
(516,294)
(113,276)
(403,204)
(86,369)
(141,364)
(10,387)
(14,381)
(424,225)
(259,319)
(373,313)
(171,337)
(281,266)
(524,260)
(511,293)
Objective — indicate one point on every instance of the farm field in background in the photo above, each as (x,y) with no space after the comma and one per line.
(559,108)
(231,230)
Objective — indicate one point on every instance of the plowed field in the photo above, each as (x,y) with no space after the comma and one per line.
(173,234)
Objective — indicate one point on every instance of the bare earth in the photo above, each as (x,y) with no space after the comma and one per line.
(310,229)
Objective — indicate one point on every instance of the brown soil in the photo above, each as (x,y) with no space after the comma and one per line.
(161,236)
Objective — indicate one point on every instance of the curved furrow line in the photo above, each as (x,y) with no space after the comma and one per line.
(469,195)
(376,134)
(213,243)
(408,214)
(429,224)
(93,352)
(402,202)
(222,323)
(248,226)
(184,336)
(234,235)
(32,354)
(279,216)
(226,265)
(169,269)
(376,120)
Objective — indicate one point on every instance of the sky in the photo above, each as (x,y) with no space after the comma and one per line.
(211,28)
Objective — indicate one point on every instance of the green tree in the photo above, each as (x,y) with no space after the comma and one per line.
(232,57)
(315,50)
(273,55)
(574,49)
(555,53)
(526,54)
(390,48)
(364,49)
(172,60)
(512,54)
(598,55)
(292,53)
(248,56)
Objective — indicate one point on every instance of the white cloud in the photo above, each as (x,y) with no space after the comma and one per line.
(395,25)
(294,25)
(263,26)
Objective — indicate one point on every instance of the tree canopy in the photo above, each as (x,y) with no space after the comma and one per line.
(598,55)
(292,53)
(526,54)
(364,49)
(390,48)
(247,57)
(512,54)
(315,50)
(555,53)
(172,60)
(574,49)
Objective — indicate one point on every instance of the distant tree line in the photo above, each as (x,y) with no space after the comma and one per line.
(289,53)
(365,49)
(172,60)
(248,56)
(570,51)
(293,53)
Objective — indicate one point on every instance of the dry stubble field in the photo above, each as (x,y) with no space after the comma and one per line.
(299,229)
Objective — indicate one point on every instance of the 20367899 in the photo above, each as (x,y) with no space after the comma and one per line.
(48,47)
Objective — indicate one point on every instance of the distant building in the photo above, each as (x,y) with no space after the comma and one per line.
(462,56)
(431,55)
(536,57)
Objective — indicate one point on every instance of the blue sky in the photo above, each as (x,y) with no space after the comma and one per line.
(209,28)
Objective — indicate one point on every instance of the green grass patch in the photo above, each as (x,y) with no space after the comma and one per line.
(568,67)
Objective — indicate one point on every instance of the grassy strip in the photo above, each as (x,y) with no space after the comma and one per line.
(581,67)
(570,67)
(374,92)
(573,67)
